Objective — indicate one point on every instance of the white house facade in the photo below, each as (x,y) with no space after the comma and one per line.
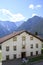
(19,45)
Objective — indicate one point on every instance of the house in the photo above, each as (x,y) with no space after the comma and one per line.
(20,44)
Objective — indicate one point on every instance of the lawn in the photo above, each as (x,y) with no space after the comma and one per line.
(36,58)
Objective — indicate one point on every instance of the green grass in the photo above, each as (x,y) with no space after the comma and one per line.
(36,58)
(23,64)
(0,56)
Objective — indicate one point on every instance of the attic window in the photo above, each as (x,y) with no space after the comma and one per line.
(15,38)
(31,38)
(23,38)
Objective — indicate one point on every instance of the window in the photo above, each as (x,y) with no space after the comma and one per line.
(31,45)
(23,38)
(42,45)
(31,53)
(15,38)
(0,47)
(36,52)
(36,45)
(31,38)
(7,57)
(14,47)
(7,48)
(23,46)
(14,56)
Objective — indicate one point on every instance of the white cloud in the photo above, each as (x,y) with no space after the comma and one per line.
(32,6)
(34,14)
(7,15)
(38,6)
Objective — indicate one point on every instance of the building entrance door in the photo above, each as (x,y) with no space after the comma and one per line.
(23,54)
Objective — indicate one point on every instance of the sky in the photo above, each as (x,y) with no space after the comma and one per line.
(20,10)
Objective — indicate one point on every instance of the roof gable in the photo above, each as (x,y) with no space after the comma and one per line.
(15,34)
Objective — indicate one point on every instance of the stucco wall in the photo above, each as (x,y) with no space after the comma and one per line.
(18,43)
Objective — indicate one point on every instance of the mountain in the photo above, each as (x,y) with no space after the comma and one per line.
(6,28)
(19,23)
(34,24)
